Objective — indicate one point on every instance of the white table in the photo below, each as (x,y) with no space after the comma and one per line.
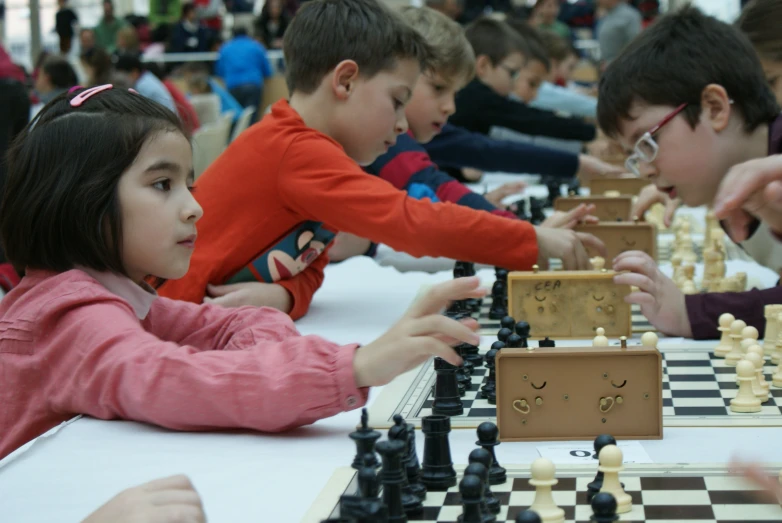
(259,477)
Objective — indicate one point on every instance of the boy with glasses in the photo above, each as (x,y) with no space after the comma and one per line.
(688,100)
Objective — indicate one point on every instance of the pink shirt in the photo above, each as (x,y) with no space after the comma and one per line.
(82,342)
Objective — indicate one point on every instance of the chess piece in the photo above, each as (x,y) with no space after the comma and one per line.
(676,263)
(623,341)
(483,457)
(735,354)
(598,263)
(725,344)
(412,465)
(527,516)
(503,333)
(463,375)
(649,340)
(479,470)
(514,341)
(594,487)
(497,345)
(776,379)
(522,328)
(356,508)
(536,206)
(489,389)
(368,481)
(603,508)
(757,364)
(488,439)
(438,473)
(498,309)
(471,491)
(600,340)
(688,288)
(772,314)
(508,322)
(398,432)
(364,437)
(392,476)
(745,401)
(764,384)
(554,191)
(546,342)
(610,465)
(446,390)
(542,478)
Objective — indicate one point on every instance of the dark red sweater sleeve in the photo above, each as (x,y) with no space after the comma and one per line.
(704,310)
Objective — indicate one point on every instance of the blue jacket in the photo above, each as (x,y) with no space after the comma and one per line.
(457,147)
(243,61)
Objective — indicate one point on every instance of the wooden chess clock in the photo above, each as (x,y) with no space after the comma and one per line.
(564,393)
(624,236)
(628,186)
(607,208)
(569,304)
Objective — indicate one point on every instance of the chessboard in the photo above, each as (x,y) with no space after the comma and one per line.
(660,492)
(489,327)
(697,389)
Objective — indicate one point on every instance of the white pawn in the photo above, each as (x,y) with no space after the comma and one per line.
(610,465)
(649,340)
(757,384)
(542,478)
(688,288)
(735,354)
(723,347)
(745,401)
(600,340)
(751,335)
(776,379)
(776,355)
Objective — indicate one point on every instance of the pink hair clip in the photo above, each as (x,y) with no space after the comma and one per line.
(82,97)
(74,89)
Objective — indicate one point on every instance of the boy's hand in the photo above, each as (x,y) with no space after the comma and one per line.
(751,189)
(254,293)
(496,196)
(590,167)
(568,220)
(568,246)
(422,332)
(650,195)
(346,245)
(472,175)
(167,500)
(661,301)
(771,490)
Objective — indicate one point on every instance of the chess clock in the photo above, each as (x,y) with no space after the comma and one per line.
(622,237)
(607,208)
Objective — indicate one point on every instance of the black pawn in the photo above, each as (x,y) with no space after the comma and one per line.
(392,477)
(554,192)
(527,516)
(472,494)
(503,333)
(484,458)
(488,438)
(603,508)
(546,342)
(368,481)
(410,502)
(459,270)
(365,438)
(477,469)
(498,309)
(463,375)
(356,508)
(471,354)
(446,390)
(594,487)
(412,466)
(498,345)
(514,341)
(508,322)
(522,329)
(536,206)
(521,210)
(438,473)
(489,389)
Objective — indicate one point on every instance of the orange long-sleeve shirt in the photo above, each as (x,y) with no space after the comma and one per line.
(275,198)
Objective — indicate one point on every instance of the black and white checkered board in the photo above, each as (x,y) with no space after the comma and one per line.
(682,493)
(489,327)
(697,389)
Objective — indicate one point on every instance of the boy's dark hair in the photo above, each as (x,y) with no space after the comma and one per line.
(325,32)
(187,8)
(60,207)
(556,47)
(494,39)
(672,61)
(128,62)
(536,49)
(759,20)
(60,73)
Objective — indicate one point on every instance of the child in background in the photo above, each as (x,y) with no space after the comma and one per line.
(272,24)
(501,55)
(544,16)
(716,112)
(279,193)
(84,334)
(199,82)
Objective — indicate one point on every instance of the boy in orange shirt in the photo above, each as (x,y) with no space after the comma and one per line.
(275,198)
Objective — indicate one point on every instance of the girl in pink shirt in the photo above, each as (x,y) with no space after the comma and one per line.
(98,200)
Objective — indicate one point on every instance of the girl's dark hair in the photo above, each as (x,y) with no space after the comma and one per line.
(60,206)
(759,20)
